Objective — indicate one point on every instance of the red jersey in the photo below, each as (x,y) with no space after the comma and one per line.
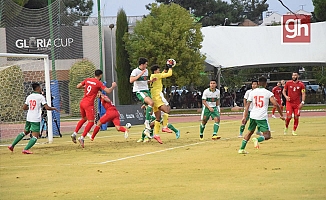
(92,86)
(277,91)
(294,91)
(107,103)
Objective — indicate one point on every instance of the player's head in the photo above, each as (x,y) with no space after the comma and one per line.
(262,81)
(212,84)
(283,82)
(155,69)
(142,63)
(98,74)
(254,84)
(295,76)
(36,87)
(279,84)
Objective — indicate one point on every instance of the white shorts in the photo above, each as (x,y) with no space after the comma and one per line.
(163,99)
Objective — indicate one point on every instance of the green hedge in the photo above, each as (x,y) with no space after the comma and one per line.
(12,95)
(78,72)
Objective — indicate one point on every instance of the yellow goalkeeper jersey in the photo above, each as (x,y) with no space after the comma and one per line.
(157,86)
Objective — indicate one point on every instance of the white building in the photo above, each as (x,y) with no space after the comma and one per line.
(275,18)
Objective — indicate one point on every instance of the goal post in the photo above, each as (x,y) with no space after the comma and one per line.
(10,59)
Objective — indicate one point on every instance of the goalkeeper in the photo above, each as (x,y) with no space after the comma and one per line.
(156,89)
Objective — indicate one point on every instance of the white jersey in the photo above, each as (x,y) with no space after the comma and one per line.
(259,97)
(211,97)
(141,83)
(35,101)
(246,96)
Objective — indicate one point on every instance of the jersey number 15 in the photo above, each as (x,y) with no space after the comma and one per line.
(259,101)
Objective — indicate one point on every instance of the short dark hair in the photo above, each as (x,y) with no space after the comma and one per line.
(213,80)
(142,61)
(35,86)
(254,81)
(262,79)
(154,68)
(295,72)
(98,72)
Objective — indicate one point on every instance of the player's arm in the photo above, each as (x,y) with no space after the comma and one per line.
(303,97)
(81,85)
(50,108)
(166,74)
(245,112)
(207,106)
(135,78)
(284,93)
(218,105)
(109,90)
(25,107)
(274,102)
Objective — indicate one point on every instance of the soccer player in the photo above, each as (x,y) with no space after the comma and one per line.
(33,104)
(211,108)
(277,91)
(156,91)
(254,85)
(260,98)
(91,87)
(282,87)
(139,78)
(295,94)
(111,114)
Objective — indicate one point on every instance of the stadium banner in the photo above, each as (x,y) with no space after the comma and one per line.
(68,42)
(132,114)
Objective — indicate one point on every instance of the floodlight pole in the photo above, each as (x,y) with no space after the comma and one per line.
(111,26)
(99,25)
(54,75)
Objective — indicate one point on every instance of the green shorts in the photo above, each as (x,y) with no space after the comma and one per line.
(33,126)
(206,113)
(262,125)
(141,95)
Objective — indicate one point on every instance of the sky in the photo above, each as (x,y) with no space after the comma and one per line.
(137,7)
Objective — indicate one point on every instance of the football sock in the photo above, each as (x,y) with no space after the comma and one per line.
(96,130)
(243,144)
(296,123)
(80,124)
(19,137)
(143,135)
(165,119)
(148,112)
(87,128)
(287,122)
(215,127)
(156,127)
(31,143)
(170,126)
(273,111)
(201,129)
(122,129)
(261,138)
(151,132)
(242,127)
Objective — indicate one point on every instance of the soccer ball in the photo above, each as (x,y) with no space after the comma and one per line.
(128,125)
(171,62)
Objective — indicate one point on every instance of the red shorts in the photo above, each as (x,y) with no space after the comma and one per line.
(87,110)
(111,115)
(292,108)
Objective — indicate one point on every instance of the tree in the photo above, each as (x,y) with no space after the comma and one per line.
(252,9)
(320,9)
(168,32)
(123,67)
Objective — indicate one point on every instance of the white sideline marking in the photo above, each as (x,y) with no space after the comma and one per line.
(149,153)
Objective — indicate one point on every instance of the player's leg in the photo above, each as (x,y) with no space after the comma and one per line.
(273,112)
(165,116)
(116,122)
(20,136)
(90,115)
(296,119)
(103,120)
(289,111)
(242,127)
(264,127)
(246,138)
(146,98)
(80,123)
(157,124)
(35,128)
(216,116)
(205,114)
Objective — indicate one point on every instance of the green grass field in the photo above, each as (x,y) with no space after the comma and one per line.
(285,167)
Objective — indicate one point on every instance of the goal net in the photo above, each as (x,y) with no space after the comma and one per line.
(17,73)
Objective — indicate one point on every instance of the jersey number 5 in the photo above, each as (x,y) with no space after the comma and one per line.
(32,104)
(259,101)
